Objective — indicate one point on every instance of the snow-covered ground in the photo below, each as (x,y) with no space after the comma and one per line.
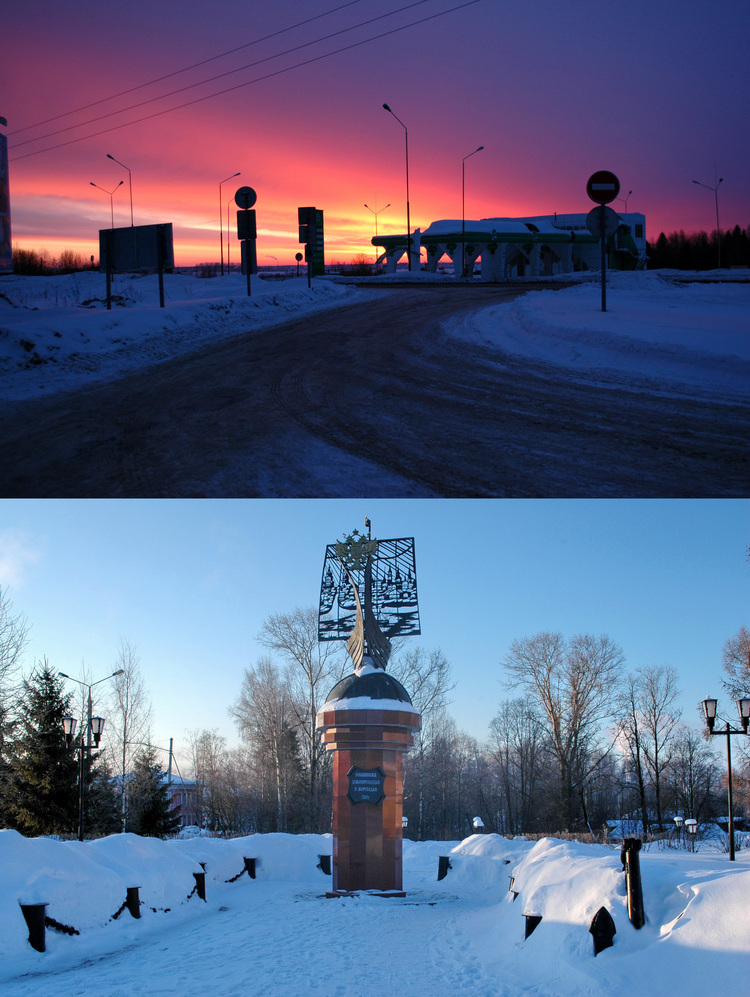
(279,935)
(685,330)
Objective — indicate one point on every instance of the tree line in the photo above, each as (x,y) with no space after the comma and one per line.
(578,740)
(700,251)
(36,263)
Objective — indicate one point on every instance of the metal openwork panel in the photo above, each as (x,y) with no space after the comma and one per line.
(394,587)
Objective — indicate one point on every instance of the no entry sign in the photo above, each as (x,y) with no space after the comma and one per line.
(603,187)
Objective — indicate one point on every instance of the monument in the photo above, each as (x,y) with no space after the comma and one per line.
(368,596)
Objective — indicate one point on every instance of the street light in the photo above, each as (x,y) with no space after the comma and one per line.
(678,826)
(130,184)
(221,222)
(376,213)
(625,200)
(94,729)
(229,244)
(111,197)
(463,208)
(716,198)
(408,217)
(692,828)
(709,711)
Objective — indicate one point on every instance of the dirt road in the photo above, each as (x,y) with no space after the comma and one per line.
(371,399)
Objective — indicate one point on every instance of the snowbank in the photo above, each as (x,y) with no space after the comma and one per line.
(278,934)
(664,331)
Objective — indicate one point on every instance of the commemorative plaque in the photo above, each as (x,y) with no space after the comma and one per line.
(366,785)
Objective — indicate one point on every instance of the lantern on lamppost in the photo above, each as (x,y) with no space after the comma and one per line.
(709,711)
(92,727)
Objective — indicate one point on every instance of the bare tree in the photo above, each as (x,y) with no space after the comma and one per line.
(129,716)
(265,717)
(426,677)
(14,632)
(575,683)
(736,661)
(312,670)
(693,774)
(517,747)
(661,717)
(630,733)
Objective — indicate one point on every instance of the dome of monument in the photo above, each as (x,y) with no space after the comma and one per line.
(374,684)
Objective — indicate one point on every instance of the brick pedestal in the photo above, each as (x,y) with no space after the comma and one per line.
(367,843)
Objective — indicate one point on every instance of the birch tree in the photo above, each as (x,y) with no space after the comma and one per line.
(130,716)
(574,682)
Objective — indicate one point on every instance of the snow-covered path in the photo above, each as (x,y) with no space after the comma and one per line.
(278,934)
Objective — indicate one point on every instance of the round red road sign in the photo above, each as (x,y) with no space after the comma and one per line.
(603,187)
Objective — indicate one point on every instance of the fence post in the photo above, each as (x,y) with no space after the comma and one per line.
(35,914)
(632,865)
(200,884)
(133,902)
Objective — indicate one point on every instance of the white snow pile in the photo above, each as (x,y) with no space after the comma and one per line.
(277,934)
(660,332)
(56,333)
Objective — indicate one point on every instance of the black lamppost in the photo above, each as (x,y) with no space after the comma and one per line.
(376,213)
(221,221)
(463,208)
(709,711)
(229,243)
(625,200)
(408,217)
(716,198)
(111,197)
(94,729)
(691,826)
(130,184)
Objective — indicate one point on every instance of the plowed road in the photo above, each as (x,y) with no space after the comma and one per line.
(371,399)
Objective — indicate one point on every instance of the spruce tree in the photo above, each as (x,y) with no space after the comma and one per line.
(42,794)
(149,810)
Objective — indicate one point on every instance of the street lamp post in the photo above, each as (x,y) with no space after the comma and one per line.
(229,243)
(376,213)
(625,200)
(94,728)
(408,217)
(463,208)
(130,184)
(111,197)
(718,230)
(221,221)
(709,711)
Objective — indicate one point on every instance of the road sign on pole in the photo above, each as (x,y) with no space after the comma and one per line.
(603,187)
(245,197)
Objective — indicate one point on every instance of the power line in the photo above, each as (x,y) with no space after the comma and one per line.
(239,86)
(178,72)
(219,76)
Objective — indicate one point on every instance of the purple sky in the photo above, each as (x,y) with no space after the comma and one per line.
(654,91)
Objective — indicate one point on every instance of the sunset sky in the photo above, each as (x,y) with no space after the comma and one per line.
(654,90)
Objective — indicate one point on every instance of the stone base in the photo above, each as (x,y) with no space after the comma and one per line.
(335,894)
(367,842)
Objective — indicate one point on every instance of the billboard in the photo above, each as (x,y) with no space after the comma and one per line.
(139,247)
(6,254)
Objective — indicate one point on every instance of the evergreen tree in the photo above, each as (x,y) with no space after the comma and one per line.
(149,810)
(103,811)
(41,791)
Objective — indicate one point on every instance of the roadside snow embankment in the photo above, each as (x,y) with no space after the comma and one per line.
(658,333)
(56,333)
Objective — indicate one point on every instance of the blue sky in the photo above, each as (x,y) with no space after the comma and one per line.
(190,582)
